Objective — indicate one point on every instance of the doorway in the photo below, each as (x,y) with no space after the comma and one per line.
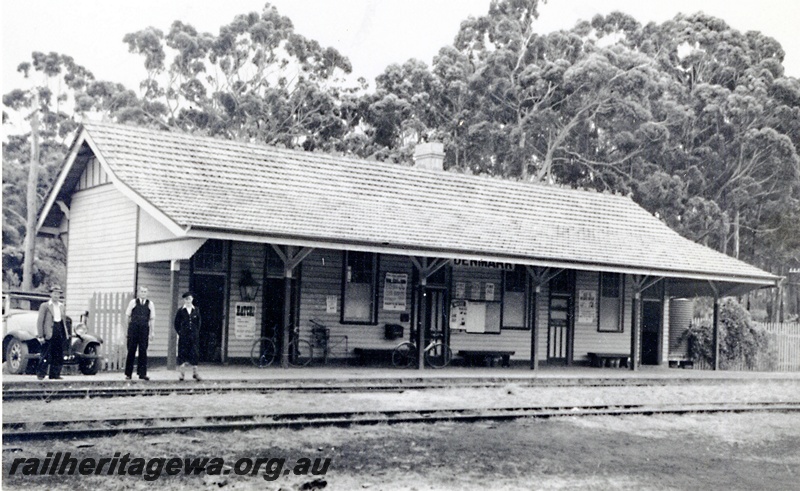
(436,321)
(559,325)
(209,298)
(272,300)
(651,331)
(558,328)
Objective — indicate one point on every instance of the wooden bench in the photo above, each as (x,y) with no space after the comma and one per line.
(680,363)
(364,354)
(486,358)
(615,360)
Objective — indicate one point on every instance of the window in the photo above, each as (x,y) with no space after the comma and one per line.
(514,294)
(359,280)
(210,257)
(611,294)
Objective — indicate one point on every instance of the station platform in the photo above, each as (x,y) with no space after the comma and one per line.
(573,375)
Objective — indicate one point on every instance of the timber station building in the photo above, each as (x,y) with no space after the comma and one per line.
(269,238)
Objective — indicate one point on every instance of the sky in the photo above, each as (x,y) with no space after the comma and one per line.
(371,33)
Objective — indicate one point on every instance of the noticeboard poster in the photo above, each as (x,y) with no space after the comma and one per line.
(461,289)
(489,293)
(244,325)
(331,302)
(394,292)
(458,315)
(475,290)
(587,306)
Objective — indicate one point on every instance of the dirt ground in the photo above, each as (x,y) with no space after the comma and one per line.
(721,451)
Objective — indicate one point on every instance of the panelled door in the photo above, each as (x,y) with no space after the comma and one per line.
(558,328)
(437,316)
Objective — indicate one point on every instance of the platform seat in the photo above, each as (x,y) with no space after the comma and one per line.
(680,363)
(487,358)
(374,354)
(609,359)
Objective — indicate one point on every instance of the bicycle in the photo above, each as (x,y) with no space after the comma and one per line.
(265,350)
(322,340)
(437,354)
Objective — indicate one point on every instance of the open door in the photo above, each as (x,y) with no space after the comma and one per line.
(209,297)
(651,331)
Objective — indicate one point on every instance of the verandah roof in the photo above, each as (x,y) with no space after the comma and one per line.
(211,187)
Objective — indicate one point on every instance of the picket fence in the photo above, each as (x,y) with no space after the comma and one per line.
(785,344)
(783,354)
(107,319)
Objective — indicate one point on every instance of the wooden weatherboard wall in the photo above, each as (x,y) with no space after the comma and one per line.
(516,340)
(587,336)
(322,278)
(102,243)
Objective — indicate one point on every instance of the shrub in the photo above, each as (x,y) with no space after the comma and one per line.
(742,344)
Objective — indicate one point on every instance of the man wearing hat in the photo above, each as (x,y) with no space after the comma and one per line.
(187,325)
(141,314)
(51,327)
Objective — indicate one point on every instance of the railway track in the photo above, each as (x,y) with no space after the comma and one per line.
(82,429)
(51,392)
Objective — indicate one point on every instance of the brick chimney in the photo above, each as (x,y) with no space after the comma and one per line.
(429,156)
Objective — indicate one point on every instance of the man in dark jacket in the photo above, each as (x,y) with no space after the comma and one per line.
(187,325)
(52,331)
(141,314)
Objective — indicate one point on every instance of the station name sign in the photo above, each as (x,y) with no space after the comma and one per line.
(475,263)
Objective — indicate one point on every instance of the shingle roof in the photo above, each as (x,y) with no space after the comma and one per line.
(254,189)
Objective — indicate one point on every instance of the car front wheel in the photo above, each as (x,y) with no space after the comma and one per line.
(16,356)
(90,366)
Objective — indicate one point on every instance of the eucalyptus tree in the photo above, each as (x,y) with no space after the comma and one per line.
(31,160)
(257,80)
(733,126)
(556,107)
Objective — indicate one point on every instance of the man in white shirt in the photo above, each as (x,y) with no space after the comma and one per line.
(141,313)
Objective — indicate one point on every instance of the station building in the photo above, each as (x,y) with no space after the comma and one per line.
(268,238)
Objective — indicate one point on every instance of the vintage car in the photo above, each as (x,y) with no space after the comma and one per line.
(21,348)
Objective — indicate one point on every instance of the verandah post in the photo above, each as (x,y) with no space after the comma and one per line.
(535,327)
(716,329)
(423,313)
(172,336)
(287,306)
(635,329)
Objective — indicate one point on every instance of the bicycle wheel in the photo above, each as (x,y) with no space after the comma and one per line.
(438,355)
(263,352)
(300,353)
(404,355)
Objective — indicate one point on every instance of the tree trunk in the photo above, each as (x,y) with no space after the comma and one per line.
(32,205)
(736,230)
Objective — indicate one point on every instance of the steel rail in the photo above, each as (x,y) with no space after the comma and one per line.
(81,429)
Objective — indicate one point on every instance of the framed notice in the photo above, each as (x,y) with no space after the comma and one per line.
(394,292)
(244,324)
(461,289)
(587,306)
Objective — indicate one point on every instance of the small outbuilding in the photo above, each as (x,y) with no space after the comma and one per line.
(269,238)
